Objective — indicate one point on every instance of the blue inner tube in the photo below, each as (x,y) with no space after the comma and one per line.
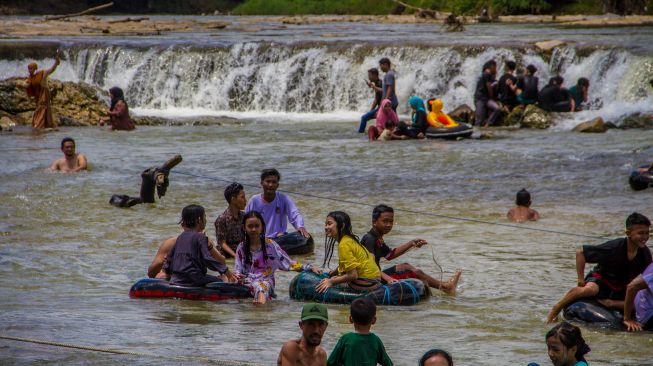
(594,313)
(462,130)
(214,291)
(404,292)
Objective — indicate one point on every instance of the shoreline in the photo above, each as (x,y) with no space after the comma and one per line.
(13,28)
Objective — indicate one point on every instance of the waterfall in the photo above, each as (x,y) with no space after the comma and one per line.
(263,78)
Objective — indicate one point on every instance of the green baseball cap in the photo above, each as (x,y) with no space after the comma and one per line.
(315,311)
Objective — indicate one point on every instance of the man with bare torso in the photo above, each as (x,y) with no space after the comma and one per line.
(71,162)
(306,351)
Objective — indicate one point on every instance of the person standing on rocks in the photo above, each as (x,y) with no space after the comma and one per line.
(484,98)
(37,88)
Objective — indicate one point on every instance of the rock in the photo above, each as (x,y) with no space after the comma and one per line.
(535,117)
(463,114)
(548,46)
(6,124)
(593,126)
(513,118)
(14,99)
(637,120)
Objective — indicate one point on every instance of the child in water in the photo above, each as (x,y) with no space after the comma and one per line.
(523,211)
(257,258)
(566,346)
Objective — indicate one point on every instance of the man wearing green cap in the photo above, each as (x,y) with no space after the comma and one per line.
(306,351)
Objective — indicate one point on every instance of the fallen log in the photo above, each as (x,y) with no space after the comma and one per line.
(87,11)
(126,20)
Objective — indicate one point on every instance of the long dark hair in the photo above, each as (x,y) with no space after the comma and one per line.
(191,216)
(247,248)
(116,96)
(343,224)
(570,336)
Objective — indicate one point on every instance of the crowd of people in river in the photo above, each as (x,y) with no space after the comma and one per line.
(492,98)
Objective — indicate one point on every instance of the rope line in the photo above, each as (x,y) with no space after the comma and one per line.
(415,212)
(122,352)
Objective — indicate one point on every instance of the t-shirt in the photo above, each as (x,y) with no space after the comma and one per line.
(275,213)
(375,245)
(644,298)
(389,80)
(354,349)
(353,255)
(378,95)
(505,93)
(188,260)
(577,95)
(481,92)
(529,87)
(612,262)
(552,94)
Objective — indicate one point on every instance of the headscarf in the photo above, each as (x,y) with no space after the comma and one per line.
(416,103)
(383,116)
(34,81)
(116,96)
(436,117)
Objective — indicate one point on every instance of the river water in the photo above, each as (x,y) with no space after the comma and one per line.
(68,258)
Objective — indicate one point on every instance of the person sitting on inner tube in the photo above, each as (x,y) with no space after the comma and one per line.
(641,178)
(640,294)
(384,116)
(566,346)
(356,266)
(418,128)
(258,257)
(618,262)
(187,261)
(436,118)
(383,218)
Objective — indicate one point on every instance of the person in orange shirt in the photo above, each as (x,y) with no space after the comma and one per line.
(37,88)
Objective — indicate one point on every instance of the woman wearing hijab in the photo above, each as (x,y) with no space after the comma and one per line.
(37,88)
(118,112)
(418,128)
(383,116)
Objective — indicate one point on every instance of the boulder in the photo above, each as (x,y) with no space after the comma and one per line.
(73,104)
(534,117)
(593,126)
(463,114)
(6,124)
(637,120)
(513,118)
(548,46)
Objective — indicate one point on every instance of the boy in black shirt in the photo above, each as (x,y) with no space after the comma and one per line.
(507,82)
(382,222)
(618,262)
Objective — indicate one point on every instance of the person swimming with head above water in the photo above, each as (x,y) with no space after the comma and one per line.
(566,346)
(356,266)
(258,257)
(523,211)
(72,161)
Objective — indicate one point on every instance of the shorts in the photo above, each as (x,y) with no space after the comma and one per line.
(399,275)
(605,291)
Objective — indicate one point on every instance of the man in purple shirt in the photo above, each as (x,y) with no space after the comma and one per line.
(640,294)
(276,208)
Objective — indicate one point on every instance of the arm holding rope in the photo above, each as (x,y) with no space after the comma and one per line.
(396,252)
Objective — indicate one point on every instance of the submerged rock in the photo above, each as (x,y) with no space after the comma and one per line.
(592,126)
(548,46)
(534,117)
(637,120)
(463,113)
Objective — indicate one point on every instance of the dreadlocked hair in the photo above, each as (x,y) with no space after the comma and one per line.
(247,247)
(343,224)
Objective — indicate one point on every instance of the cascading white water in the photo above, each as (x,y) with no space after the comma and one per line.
(251,78)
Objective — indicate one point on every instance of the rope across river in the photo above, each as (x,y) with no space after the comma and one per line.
(415,212)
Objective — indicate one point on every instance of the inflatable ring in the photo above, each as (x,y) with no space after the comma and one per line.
(463,130)
(640,181)
(214,291)
(593,313)
(296,243)
(405,292)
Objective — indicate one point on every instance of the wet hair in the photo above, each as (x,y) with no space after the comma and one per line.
(511,65)
(343,224)
(232,191)
(247,246)
(489,64)
(116,96)
(362,311)
(67,139)
(523,198)
(191,215)
(428,103)
(556,80)
(435,352)
(379,209)
(637,218)
(583,82)
(270,173)
(374,71)
(384,61)
(570,336)
(531,69)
